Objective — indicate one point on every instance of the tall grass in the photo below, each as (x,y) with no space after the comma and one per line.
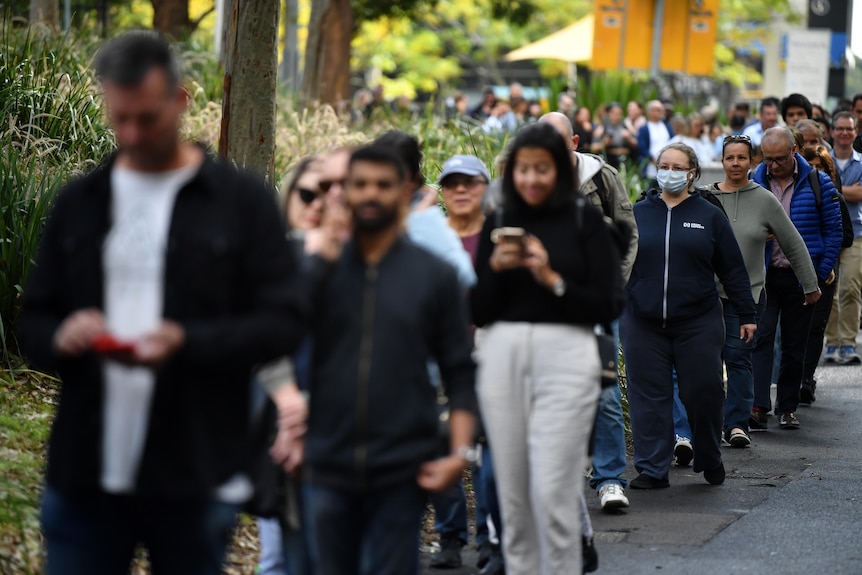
(51,127)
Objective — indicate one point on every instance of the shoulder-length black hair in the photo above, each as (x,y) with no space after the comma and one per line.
(544,136)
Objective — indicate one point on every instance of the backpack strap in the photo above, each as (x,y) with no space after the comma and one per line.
(814,180)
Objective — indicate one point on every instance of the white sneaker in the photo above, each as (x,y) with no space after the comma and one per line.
(683,451)
(613,496)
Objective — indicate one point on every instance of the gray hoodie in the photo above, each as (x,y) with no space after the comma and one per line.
(754,213)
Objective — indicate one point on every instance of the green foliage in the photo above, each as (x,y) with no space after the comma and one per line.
(51,127)
(430,49)
(26,193)
(606,87)
(26,405)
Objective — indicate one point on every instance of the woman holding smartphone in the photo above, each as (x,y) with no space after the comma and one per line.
(550,276)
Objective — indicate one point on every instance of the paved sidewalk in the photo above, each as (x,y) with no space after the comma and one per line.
(791,504)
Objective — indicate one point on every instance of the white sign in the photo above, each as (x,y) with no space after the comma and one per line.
(807,71)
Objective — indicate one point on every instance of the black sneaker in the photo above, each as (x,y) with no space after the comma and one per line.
(788,421)
(495,565)
(757,419)
(486,549)
(590,558)
(715,476)
(449,556)
(643,481)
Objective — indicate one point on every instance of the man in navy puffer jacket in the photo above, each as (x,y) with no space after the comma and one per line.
(786,174)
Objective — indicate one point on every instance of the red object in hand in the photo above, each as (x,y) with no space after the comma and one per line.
(106,343)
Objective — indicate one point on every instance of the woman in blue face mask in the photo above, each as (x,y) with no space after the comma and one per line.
(673,319)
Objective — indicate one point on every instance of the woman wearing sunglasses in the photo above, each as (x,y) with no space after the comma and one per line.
(303,201)
(756,217)
(284,547)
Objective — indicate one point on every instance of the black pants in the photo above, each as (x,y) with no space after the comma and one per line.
(693,347)
(784,303)
(819,319)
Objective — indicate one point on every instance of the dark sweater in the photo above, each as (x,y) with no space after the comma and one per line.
(699,243)
(586,259)
(373,415)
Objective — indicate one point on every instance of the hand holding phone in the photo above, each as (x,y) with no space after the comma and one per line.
(106,343)
(510,248)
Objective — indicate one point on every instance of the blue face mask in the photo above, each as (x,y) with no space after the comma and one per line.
(672,182)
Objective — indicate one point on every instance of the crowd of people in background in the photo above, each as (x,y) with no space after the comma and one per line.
(390,333)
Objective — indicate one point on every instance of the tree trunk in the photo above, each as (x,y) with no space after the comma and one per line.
(171,18)
(248,106)
(289,74)
(46,13)
(327,55)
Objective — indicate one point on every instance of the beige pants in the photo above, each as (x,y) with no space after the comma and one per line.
(846,306)
(538,388)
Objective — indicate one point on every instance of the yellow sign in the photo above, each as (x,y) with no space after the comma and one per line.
(638,35)
(702,34)
(624,33)
(608,34)
(673,36)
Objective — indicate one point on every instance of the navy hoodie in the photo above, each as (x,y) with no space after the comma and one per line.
(680,251)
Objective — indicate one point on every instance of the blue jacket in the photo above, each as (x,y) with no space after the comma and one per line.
(644,141)
(680,251)
(821,229)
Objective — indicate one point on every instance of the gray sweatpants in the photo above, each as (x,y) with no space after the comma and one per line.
(538,388)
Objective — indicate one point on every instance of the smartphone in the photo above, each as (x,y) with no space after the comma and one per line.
(107,343)
(512,235)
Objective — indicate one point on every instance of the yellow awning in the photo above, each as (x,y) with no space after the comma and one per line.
(571,44)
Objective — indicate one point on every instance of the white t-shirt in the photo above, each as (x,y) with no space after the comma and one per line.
(133,257)
(842,163)
(658,139)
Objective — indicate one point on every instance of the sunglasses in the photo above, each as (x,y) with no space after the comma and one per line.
(325,185)
(452,182)
(307,196)
(737,138)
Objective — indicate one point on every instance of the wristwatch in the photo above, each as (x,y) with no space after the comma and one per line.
(559,287)
(468,453)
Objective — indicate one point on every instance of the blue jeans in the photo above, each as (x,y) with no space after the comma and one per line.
(282,551)
(740,373)
(609,440)
(97,534)
(681,426)
(487,503)
(450,513)
(271,561)
(366,532)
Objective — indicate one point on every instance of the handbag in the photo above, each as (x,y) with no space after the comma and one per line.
(608,355)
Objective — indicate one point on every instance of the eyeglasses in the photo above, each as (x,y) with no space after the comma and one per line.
(737,138)
(307,196)
(325,185)
(780,160)
(675,168)
(453,182)
(843,129)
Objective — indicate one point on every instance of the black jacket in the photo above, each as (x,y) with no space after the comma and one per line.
(373,417)
(229,282)
(581,248)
